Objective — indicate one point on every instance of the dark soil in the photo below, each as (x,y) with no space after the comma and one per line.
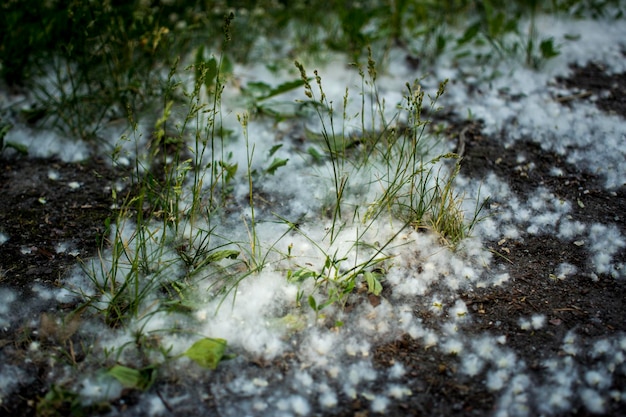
(594,308)
(39,213)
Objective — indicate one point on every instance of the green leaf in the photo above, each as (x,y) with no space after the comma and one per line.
(373,284)
(17,146)
(300,275)
(211,74)
(283,88)
(262,91)
(317,157)
(441,43)
(230,169)
(222,254)
(4,129)
(469,34)
(547,48)
(312,303)
(199,59)
(227,66)
(140,379)
(207,352)
(209,67)
(276,163)
(274,149)
(257,89)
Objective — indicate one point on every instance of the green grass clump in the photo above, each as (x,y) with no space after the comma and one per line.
(406,180)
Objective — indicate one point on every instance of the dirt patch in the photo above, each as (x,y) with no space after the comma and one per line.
(592,82)
(53,213)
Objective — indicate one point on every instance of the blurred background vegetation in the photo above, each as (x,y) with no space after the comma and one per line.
(101,58)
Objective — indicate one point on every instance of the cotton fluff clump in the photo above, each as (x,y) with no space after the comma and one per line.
(318,348)
(503,361)
(248,323)
(100,388)
(485,347)
(396,371)
(605,242)
(515,401)
(569,343)
(570,229)
(459,311)
(558,395)
(600,348)
(48,144)
(496,379)
(398,392)
(567,380)
(598,378)
(379,404)
(357,347)
(328,399)
(547,210)
(300,405)
(536,322)
(436,305)
(500,279)
(11,377)
(7,297)
(592,400)
(415,271)
(565,270)
(472,364)
(452,346)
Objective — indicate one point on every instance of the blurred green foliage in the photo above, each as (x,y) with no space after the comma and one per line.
(107,56)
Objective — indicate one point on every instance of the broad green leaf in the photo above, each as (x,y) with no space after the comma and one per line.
(262,91)
(207,352)
(226,66)
(441,42)
(276,163)
(17,146)
(199,59)
(211,74)
(222,254)
(547,48)
(469,34)
(373,284)
(230,169)
(312,303)
(140,379)
(274,149)
(300,275)
(283,88)
(257,89)
(4,129)
(317,157)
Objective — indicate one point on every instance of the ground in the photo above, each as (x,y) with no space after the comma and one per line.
(40,213)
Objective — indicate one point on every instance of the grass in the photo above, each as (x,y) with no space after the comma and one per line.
(165,243)
(167,252)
